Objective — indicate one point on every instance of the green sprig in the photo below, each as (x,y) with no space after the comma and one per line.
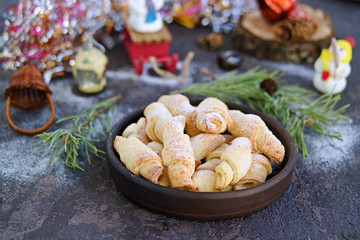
(296,107)
(67,143)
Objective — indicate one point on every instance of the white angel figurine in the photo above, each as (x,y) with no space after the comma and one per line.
(333,66)
(144,15)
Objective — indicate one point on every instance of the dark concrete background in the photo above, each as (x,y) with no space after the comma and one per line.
(42,202)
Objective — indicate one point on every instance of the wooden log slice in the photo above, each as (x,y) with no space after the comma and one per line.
(255,36)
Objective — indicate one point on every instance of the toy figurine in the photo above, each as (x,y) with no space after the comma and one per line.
(146,36)
(144,15)
(333,66)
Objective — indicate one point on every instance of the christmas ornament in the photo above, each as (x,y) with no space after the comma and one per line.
(215,14)
(144,15)
(27,90)
(333,66)
(187,12)
(274,10)
(220,15)
(148,43)
(46,33)
(89,68)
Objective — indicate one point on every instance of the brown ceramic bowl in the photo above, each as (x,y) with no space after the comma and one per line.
(202,205)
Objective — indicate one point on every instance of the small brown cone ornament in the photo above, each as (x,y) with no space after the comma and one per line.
(27,90)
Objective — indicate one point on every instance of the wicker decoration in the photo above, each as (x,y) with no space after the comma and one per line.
(27,90)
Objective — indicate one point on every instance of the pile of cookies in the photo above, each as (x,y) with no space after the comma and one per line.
(206,148)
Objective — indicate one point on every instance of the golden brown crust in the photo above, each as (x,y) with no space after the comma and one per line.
(190,128)
(164,179)
(205,176)
(204,143)
(178,155)
(204,180)
(254,128)
(211,116)
(141,130)
(228,138)
(137,130)
(156,147)
(262,160)
(238,156)
(245,125)
(209,165)
(255,176)
(179,104)
(216,153)
(157,116)
(139,158)
(270,145)
(224,175)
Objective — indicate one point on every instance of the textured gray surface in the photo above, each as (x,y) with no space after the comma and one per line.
(40,202)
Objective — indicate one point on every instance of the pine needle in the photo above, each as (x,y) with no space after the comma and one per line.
(67,144)
(297,108)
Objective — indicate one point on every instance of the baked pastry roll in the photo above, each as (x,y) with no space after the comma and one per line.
(204,143)
(236,161)
(224,175)
(264,161)
(157,116)
(255,176)
(211,116)
(205,177)
(190,128)
(204,180)
(259,169)
(137,130)
(254,128)
(177,155)
(209,165)
(156,147)
(164,179)
(228,138)
(216,153)
(179,104)
(139,158)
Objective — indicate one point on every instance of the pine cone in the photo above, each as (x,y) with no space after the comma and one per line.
(268,85)
(210,41)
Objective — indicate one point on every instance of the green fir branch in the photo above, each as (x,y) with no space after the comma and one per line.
(68,143)
(296,107)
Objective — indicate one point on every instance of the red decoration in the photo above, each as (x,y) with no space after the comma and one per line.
(325,75)
(140,52)
(351,41)
(275,10)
